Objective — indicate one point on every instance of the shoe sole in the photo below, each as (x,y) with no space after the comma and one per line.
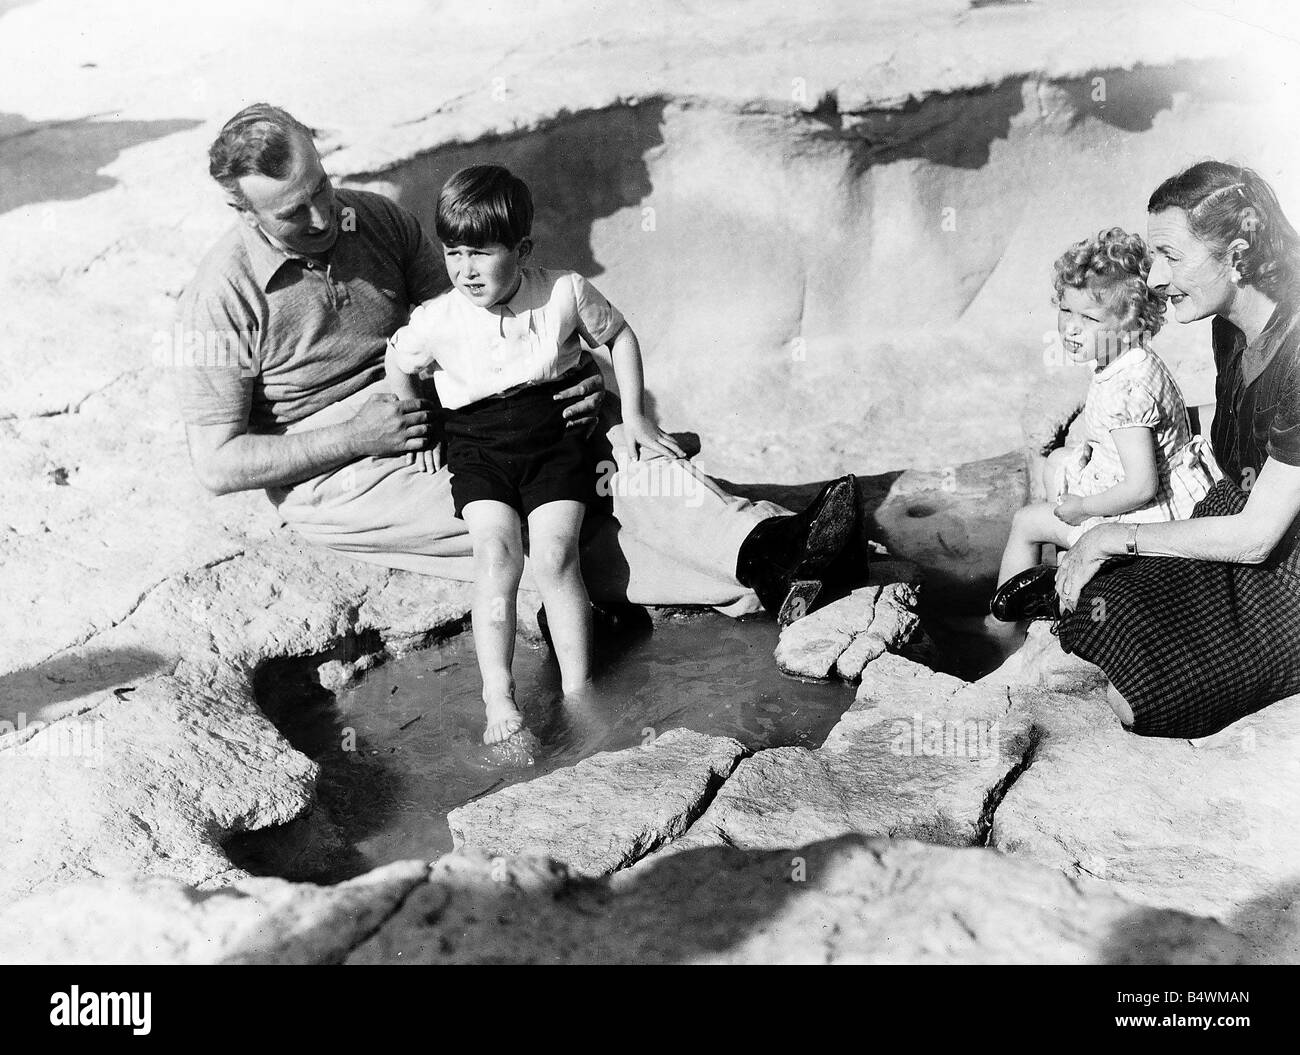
(829,530)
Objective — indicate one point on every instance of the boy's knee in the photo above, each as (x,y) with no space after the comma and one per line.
(554,561)
(499,557)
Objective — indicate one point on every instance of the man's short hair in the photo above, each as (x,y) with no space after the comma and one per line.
(257,140)
(484,204)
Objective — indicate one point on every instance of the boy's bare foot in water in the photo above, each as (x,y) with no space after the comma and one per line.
(503,719)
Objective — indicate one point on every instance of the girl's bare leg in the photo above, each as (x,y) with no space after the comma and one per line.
(1031,527)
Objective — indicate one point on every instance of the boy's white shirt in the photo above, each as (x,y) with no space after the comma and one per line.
(534,337)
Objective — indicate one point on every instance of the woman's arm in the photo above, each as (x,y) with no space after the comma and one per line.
(1247,537)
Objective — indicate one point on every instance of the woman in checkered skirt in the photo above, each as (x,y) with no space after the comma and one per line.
(1197,622)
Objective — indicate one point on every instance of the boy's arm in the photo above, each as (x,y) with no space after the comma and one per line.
(638,430)
(400,382)
(1141,483)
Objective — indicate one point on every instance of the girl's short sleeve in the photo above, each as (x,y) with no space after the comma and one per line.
(1135,406)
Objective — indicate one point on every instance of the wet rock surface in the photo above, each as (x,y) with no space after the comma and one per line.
(843,637)
(606,812)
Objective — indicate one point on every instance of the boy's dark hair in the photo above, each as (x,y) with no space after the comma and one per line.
(483,204)
(258,139)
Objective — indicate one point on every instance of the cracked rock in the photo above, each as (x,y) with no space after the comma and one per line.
(848,900)
(608,810)
(918,755)
(849,633)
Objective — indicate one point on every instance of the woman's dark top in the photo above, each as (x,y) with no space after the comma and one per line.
(1257,413)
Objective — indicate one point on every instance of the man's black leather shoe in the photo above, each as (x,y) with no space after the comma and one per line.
(785,560)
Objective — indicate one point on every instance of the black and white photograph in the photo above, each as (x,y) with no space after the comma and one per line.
(675,482)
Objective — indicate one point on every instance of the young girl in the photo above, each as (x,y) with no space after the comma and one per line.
(1138,461)
(501,344)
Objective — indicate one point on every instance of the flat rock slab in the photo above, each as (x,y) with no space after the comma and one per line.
(608,810)
(850,900)
(1207,825)
(846,635)
(919,755)
(164,922)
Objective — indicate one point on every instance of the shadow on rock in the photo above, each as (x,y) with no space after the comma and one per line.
(63,161)
(38,692)
(581,169)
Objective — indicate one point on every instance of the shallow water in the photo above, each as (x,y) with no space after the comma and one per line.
(402,747)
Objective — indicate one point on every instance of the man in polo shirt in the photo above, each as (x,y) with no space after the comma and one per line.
(307,288)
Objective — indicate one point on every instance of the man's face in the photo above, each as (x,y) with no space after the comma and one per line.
(298,213)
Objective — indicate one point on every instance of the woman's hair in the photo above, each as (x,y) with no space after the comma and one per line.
(1113,267)
(258,139)
(484,204)
(1226,202)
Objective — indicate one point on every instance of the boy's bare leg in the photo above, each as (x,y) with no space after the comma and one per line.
(494,529)
(553,531)
(1032,526)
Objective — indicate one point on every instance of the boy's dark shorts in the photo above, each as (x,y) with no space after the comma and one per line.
(515,449)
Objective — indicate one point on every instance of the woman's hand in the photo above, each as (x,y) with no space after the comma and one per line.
(640,432)
(1082,561)
(1070,509)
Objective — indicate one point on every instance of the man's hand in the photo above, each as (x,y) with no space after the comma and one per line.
(387,425)
(586,396)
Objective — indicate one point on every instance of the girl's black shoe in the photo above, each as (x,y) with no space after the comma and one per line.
(1029,595)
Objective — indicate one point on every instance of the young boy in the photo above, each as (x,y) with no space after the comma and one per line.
(501,344)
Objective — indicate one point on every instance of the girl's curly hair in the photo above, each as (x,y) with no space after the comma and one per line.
(1113,267)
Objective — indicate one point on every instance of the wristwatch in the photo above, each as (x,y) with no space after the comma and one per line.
(1131,547)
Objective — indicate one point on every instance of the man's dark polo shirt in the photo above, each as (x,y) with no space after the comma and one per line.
(271,338)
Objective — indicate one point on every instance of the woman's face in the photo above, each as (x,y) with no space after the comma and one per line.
(1198,283)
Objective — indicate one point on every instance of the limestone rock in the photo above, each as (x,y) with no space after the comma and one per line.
(144,785)
(850,900)
(608,810)
(164,922)
(919,755)
(850,632)
(1041,661)
(1205,825)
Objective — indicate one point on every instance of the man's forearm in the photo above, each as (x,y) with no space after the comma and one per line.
(252,461)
